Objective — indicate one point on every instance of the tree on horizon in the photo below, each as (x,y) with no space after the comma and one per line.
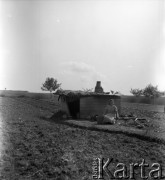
(50,85)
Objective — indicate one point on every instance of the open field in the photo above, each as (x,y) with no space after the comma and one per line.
(13,93)
(46,95)
(143,100)
(33,147)
(146,107)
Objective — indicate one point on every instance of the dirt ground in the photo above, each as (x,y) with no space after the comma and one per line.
(32,147)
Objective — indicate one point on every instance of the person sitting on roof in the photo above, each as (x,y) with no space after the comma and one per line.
(110,114)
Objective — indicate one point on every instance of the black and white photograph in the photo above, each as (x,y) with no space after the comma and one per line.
(82,89)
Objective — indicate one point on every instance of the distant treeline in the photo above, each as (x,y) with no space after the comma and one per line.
(142,99)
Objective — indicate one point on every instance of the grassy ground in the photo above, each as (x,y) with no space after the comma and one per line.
(34,148)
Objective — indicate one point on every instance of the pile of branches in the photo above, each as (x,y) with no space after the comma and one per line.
(140,122)
(59,115)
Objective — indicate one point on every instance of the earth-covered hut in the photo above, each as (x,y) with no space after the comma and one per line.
(82,105)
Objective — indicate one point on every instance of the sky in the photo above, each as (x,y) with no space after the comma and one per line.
(118,42)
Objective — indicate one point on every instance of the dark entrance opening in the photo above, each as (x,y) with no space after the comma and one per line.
(74,108)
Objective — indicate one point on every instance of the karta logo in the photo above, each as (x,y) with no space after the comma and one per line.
(100,168)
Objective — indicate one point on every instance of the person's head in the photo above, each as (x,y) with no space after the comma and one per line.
(111,102)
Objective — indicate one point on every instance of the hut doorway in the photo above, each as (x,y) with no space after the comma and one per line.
(74,108)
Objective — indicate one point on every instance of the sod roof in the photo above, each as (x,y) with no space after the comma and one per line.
(70,95)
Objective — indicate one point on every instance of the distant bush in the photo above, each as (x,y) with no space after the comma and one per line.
(2,95)
(22,96)
(149,91)
(136,92)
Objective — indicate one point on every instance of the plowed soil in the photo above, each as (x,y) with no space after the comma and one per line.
(32,147)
